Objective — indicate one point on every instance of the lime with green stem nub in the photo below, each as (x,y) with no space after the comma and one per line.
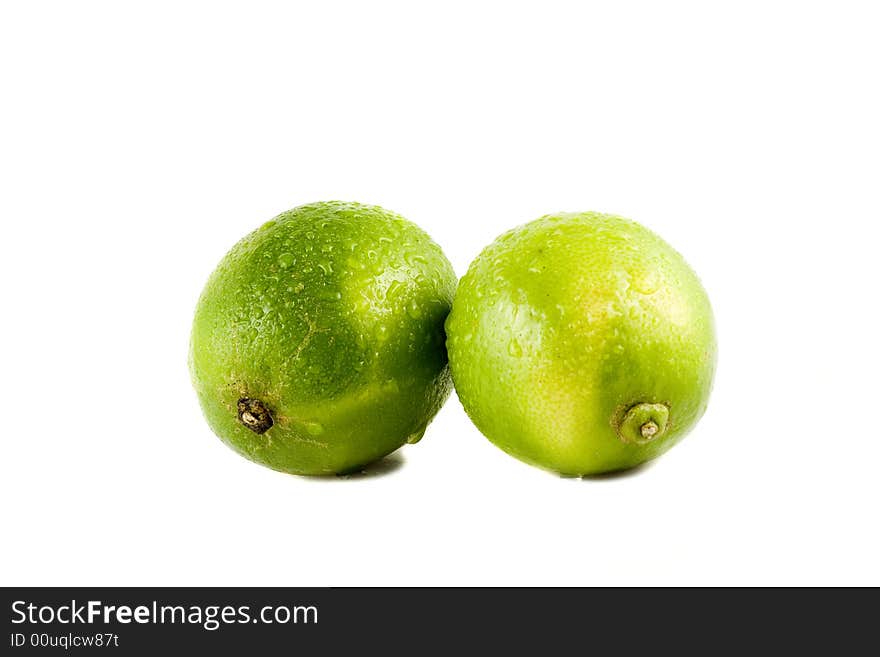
(582,343)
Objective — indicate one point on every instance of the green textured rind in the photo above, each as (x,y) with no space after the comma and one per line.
(562,325)
(332,316)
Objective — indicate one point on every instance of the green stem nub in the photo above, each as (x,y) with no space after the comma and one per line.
(643,423)
(253,414)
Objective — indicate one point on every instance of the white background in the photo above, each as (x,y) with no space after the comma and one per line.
(139,141)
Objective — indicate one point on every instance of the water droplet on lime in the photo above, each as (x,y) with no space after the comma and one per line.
(416,436)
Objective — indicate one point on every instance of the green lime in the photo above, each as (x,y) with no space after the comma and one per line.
(318,345)
(582,343)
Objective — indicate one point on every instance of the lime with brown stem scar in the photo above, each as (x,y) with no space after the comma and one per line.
(318,344)
(582,343)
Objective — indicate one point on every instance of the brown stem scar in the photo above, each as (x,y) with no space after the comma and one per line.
(253,414)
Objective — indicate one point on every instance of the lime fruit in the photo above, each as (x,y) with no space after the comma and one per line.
(318,344)
(582,343)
